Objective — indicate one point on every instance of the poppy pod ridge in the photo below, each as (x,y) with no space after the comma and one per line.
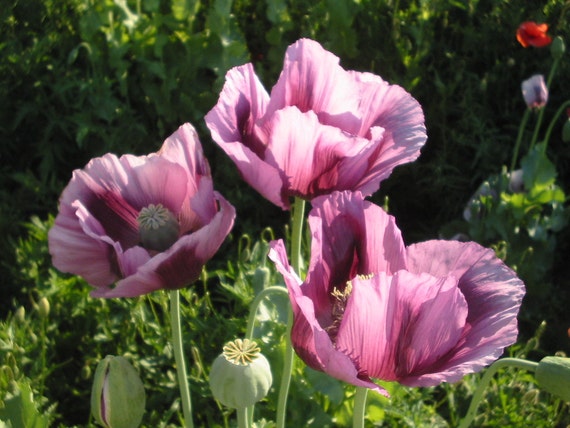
(144,223)
(372,308)
(351,128)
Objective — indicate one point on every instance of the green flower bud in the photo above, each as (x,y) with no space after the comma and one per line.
(117,397)
(43,307)
(566,132)
(241,375)
(553,375)
(20,315)
(557,48)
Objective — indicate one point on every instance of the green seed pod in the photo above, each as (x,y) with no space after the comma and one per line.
(557,48)
(241,375)
(553,375)
(158,227)
(43,307)
(117,397)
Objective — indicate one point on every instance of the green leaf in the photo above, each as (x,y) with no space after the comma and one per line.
(326,385)
(20,411)
(537,169)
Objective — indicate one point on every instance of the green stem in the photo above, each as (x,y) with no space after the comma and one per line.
(251,323)
(478,395)
(359,407)
(255,304)
(519,139)
(179,358)
(541,112)
(243,419)
(297,234)
(553,122)
(296,238)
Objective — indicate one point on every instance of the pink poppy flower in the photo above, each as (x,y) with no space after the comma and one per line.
(322,129)
(143,222)
(535,92)
(530,33)
(372,308)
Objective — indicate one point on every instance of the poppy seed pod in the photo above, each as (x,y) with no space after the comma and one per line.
(117,397)
(553,376)
(240,376)
(557,48)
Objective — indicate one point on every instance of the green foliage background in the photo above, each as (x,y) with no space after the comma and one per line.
(79,78)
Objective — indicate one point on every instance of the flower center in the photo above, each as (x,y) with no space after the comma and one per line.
(158,228)
(339,305)
(241,352)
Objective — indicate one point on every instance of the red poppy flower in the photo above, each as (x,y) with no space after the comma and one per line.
(530,33)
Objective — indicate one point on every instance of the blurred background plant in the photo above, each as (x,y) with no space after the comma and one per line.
(80,78)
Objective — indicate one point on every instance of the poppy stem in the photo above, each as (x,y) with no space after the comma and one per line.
(478,395)
(296,238)
(552,123)
(179,358)
(255,304)
(541,112)
(359,407)
(251,324)
(519,139)
(242,417)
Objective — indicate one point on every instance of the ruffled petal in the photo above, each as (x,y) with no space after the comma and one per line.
(155,181)
(351,237)
(232,123)
(310,340)
(315,159)
(101,187)
(242,102)
(74,252)
(397,326)
(493,293)
(401,119)
(182,263)
(312,79)
(184,148)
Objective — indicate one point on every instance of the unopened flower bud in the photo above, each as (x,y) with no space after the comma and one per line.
(557,48)
(117,397)
(43,307)
(20,315)
(241,375)
(553,376)
(535,92)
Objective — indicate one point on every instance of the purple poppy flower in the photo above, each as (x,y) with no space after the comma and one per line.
(322,129)
(535,92)
(372,308)
(143,222)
